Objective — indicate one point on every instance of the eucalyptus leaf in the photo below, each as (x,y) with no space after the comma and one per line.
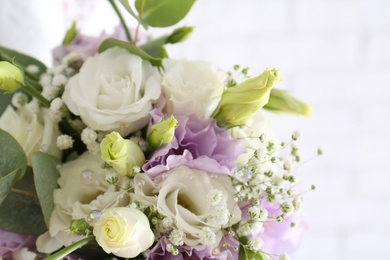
(22,61)
(109,43)
(12,155)
(45,179)
(70,35)
(5,100)
(20,211)
(162,13)
(281,101)
(7,182)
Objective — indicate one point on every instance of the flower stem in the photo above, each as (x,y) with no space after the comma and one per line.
(69,249)
(125,28)
(35,93)
(139,23)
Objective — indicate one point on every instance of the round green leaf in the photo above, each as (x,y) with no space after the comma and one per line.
(162,13)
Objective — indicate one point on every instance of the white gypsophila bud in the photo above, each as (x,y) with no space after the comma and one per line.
(296,135)
(263,214)
(64,142)
(222,216)
(215,197)
(297,203)
(59,80)
(287,208)
(261,153)
(111,176)
(177,237)
(284,257)
(173,250)
(256,244)
(256,227)
(244,229)
(19,99)
(207,237)
(136,169)
(32,68)
(88,136)
(253,212)
(70,58)
(57,70)
(93,148)
(55,116)
(45,80)
(288,166)
(276,180)
(50,92)
(56,104)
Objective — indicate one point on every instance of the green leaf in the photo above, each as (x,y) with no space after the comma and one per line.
(7,182)
(12,164)
(127,6)
(70,35)
(109,43)
(5,100)
(246,254)
(155,47)
(20,211)
(282,102)
(162,13)
(45,179)
(22,61)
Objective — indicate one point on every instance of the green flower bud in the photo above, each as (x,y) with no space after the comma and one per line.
(180,34)
(78,226)
(162,133)
(121,154)
(11,77)
(282,102)
(239,103)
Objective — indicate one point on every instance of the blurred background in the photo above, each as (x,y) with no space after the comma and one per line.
(334,54)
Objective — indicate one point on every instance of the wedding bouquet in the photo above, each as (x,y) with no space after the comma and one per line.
(128,153)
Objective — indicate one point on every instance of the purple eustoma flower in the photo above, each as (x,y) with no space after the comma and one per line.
(10,242)
(198,144)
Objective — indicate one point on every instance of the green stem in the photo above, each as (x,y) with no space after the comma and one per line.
(121,19)
(69,249)
(35,93)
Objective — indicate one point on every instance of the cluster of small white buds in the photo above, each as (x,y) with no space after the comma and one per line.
(287,208)
(177,237)
(247,228)
(64,142)
(296,135)
(70,58)
(255,244)
(215,197)
(207,237)
(172,249)
(89,136)
(19,99)
(56,109)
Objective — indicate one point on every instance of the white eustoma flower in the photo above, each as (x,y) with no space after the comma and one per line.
(191,87)
(182,195)
(114,90)
(32,128)
(123,231)
(83,187)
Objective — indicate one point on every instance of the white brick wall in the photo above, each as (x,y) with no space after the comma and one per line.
(334,54)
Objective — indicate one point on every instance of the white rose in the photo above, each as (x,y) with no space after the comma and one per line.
(32,127)
(194,199)
(125,232)
(83,188)
(114,90)
(191,87)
